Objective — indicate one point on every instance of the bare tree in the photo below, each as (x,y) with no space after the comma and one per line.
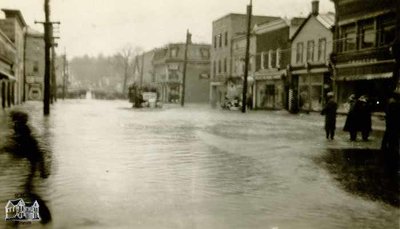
(124,59)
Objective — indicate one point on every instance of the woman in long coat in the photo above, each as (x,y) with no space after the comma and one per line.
(351,125)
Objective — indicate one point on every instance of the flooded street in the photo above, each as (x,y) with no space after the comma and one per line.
(110,166)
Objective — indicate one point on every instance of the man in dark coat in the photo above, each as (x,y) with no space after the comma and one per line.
(391,138)
(330,116)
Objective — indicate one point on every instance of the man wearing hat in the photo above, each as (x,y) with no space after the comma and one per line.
(330,116)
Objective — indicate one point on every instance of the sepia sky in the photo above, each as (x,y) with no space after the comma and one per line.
(105,26)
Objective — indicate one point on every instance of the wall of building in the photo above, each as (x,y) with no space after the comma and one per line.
(34,67)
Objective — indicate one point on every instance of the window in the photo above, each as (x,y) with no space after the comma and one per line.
(262,60)
(205,53)
(349,38)
(36,66)
(215,41)
(322,49)
(214,68)
(299,52)
(310,51)
(272,59)
(278,58)
(220,40)
(367,34)
(387,30)
(225,65)
(219,66)
(226,38)
(174,52)
(266,60)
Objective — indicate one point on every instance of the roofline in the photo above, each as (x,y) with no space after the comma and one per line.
(240,14)
(19,14)
(304,23)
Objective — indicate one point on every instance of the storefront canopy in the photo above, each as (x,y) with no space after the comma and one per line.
(5,75)
(372,76)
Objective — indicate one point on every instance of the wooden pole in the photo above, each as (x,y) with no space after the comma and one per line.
(46,98)
(188,35)
(246,64)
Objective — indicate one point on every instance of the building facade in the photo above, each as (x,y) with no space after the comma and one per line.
(224,30)
(34,65)
(310,71)
(364,63)
(13,27)
(8,54)
(273,56)
(168,64)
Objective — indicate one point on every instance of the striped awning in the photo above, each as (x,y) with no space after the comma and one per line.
(372,76)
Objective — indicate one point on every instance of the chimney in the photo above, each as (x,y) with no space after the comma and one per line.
(314,7)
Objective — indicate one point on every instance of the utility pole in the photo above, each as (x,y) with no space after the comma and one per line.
(246,64)
(48,43)
(188,38)
(142,71)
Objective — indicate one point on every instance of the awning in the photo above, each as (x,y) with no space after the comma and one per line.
(5,75)
(374,76)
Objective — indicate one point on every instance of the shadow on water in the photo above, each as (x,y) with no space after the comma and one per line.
(22,145)
(365,172)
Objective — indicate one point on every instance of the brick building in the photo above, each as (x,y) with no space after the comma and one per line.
(273,52)
(224,30)
(34,65)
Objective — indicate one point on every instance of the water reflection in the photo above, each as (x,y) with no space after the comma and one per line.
(366,172)
(22,145)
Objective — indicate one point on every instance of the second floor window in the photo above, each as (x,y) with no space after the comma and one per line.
(299,53)
(310,51)
(36,66)
(225,65)
(214,68)
(265,60)
(226,38)
(278,58)
(219,66)
(387,30)
(174,52)
(272,59)
(349,37)
(322,49)
(367,34)
(215,41)
(220,40)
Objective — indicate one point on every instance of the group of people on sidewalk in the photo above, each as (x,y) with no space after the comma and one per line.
(359,120)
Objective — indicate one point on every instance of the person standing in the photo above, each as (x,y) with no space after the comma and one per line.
(329,111)
(364,116)
(351,124)
(391,138)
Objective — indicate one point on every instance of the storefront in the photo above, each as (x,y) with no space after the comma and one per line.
(270,91)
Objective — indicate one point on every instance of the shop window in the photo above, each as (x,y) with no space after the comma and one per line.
(310,51)
(367,34)
(349,36)
(322,49)
(387,30)
(299,52)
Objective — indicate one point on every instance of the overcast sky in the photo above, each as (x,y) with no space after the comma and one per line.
(105,26)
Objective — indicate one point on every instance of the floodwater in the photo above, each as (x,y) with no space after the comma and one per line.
(109,166)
